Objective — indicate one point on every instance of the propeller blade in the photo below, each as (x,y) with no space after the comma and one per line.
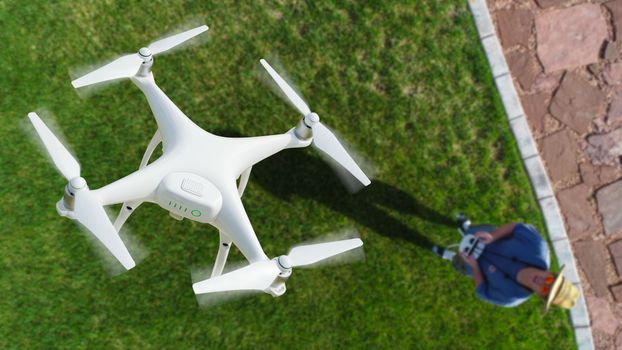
(327,142)
(296,100)
(90,213)
(123,67)
(312,253)
(168,43)
(256,276)
(63,160)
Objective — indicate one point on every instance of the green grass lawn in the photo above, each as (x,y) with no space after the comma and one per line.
(406,83)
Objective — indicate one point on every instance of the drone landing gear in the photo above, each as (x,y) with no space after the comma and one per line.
(225,242)
(223,253)
(128,207)
(244,180)
(126,210)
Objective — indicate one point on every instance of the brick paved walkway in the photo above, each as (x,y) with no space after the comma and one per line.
(565,56)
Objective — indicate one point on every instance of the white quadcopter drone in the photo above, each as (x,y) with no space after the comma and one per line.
(195,178)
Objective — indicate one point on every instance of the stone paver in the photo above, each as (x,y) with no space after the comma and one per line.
(548,82)
(605,149)
(535,109)
(613,73)
(524,67)
(570,37)
(615,8)
(578,212)
(514,26)
(609,200)
(615,249)
(603,319)
(560,154)
(577,102)
(617,292)
(614,114)
(591,256)
(596,176)
(549,3)
(612,50)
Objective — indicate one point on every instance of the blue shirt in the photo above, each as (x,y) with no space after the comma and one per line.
(501,261)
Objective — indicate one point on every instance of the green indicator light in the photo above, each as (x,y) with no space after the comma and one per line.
(195,213)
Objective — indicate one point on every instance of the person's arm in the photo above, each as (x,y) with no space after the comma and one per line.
(503,231)
(483,290)
(478,277)
(497,234)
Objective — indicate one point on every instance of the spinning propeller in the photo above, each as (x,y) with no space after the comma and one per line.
(128,65)
(87,210)
(260,275)
(323,138)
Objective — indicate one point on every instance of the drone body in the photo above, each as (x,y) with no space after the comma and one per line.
(195,178)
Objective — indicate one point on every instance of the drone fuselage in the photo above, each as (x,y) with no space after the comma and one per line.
(195,178)
(196,175)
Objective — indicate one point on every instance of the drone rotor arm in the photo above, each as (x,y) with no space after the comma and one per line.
(137,186)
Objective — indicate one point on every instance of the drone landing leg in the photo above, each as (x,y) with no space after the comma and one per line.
(223,252)
(244,180)
(126,210)
(155,140)
(128,207)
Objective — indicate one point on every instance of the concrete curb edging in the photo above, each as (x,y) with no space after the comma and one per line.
(542,188)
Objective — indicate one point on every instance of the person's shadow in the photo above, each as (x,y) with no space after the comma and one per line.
(292,173)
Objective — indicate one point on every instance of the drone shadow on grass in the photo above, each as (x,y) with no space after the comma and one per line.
(295,173)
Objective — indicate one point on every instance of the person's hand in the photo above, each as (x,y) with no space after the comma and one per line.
(469,260)
(484,237)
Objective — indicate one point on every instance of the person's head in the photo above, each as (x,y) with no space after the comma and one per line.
(551,287)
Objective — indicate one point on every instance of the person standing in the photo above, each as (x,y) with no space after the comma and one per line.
(514,264)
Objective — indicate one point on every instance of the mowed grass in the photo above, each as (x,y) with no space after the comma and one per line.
(405,83)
